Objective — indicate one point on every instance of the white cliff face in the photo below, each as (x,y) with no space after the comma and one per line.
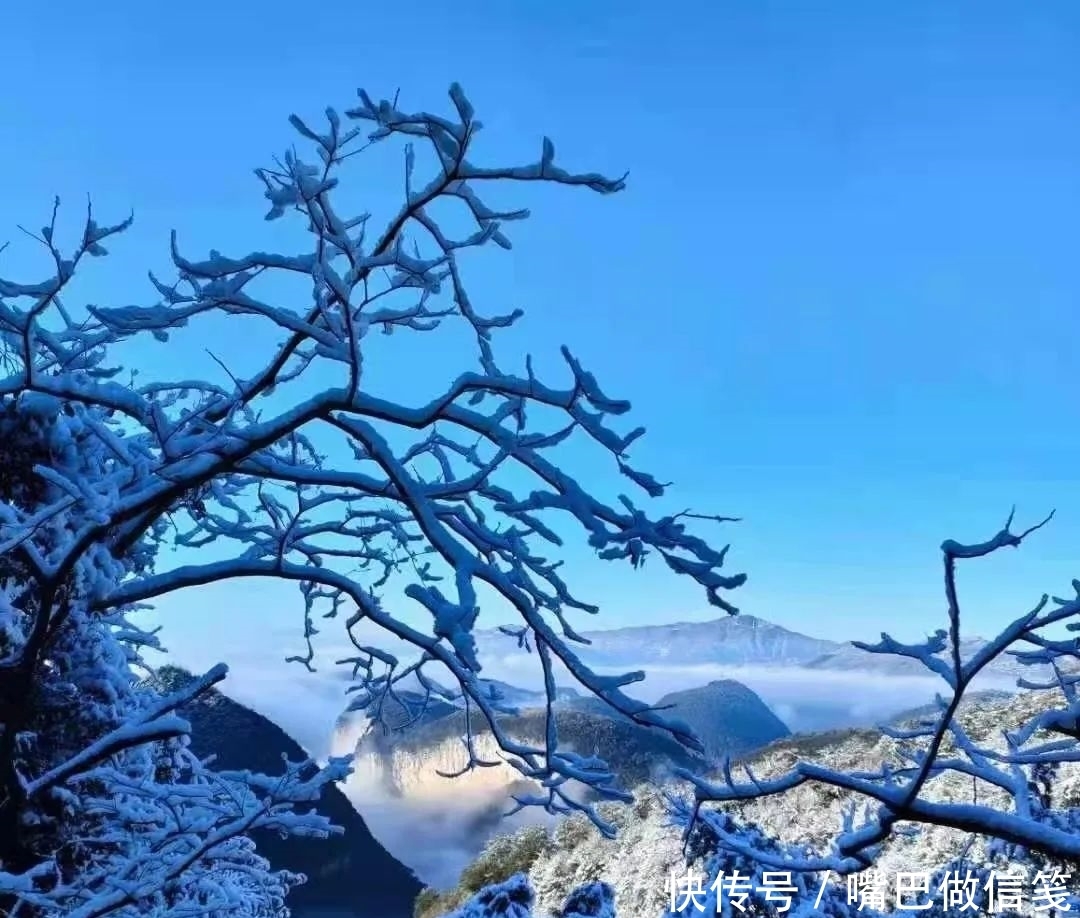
(350,729)
(413,773)
(433,824)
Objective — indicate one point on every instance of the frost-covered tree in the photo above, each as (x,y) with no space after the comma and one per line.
(1033,825)
(104,810)
(367,504)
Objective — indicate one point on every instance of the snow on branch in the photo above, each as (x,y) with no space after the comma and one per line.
(368,504)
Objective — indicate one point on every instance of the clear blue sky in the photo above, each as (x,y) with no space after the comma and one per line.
(841,289)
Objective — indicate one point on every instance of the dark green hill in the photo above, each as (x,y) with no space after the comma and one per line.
(726,716)
(349,874)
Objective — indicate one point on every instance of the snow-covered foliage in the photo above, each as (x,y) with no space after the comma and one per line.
(114,814)
(514,898)
(650,848)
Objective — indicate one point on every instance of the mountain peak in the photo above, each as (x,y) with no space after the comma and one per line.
(729,717)
(734,640)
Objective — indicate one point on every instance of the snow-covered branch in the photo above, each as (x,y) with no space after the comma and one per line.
(370,505)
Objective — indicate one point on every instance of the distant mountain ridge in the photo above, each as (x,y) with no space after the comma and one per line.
(733,640)
(848,657)
(741,640)
(740,683)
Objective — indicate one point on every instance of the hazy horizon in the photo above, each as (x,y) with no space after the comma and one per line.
(307,704)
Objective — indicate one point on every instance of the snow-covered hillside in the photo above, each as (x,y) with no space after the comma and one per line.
(648,850)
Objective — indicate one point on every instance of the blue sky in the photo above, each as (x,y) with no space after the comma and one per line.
(840,290)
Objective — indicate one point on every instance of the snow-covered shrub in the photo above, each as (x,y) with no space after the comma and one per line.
(514,898)
(593,900)
(504,856)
